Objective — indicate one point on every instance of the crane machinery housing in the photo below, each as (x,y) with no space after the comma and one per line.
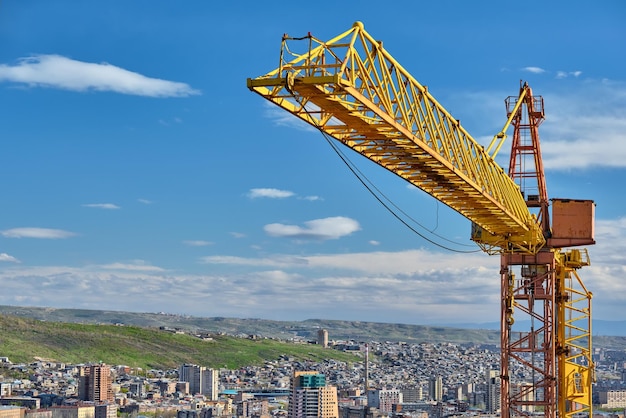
(351,89)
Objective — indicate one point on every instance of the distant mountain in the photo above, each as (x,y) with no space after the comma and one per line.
(23,340)
(599,327)
(487,333)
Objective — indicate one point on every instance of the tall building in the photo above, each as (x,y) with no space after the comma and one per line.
(492,403)
(201,380)
(311,398)
(96,384)
(210,384)
(435,388)
(191,374)
(322,338)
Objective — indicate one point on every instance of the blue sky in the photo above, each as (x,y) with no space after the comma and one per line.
(140,174)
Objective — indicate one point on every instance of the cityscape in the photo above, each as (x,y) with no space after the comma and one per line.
(386,164)
(390,379)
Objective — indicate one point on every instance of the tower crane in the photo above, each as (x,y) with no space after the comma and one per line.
(351,89)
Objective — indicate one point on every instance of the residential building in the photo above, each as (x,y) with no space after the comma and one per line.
(384,399)
(77,411)
(412,394)
(138,389)
(210,384)
(201,380)
(311,398)
(5,389)
(253,408)
(12,412)
(192,374)
(38,413)
(492,401)
(108,410)
(612,398)
(435,388)
(95,383)
(25,401)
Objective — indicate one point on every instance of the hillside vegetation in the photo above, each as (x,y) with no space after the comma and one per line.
(23,340)
(284,330)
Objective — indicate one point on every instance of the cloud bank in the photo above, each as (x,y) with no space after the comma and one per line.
(56,71)
(101,205)
(412,286)
(317,229)
(269,193)
(42,233)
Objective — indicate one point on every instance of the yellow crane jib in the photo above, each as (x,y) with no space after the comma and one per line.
(353,90)
(500,137)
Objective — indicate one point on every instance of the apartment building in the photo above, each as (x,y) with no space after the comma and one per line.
(311,398)
(96,383)
(201,380)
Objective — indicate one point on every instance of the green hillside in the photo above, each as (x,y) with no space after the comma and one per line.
(283,330)
(24,339)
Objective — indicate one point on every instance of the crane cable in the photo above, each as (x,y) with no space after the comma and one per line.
(364,181)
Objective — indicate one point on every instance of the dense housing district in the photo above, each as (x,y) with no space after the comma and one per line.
(392,379)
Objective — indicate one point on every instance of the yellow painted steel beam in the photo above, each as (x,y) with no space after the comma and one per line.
(574,351)
(352,89)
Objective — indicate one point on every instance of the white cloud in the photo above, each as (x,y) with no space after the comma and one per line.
(101,205)
(269,193)
(237,235)
(565,74)
(322,229)
(582,131)
(197,243)
(383,286)
(534,70)
(55,71)
(584,126)
(43,233)
(312,198)
(8,258)
(406,262)
(278,285)
(136,265)
(145,201)
(277,261)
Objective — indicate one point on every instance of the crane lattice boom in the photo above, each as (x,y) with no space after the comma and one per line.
(353,90)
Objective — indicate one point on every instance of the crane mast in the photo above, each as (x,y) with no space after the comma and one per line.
(352,89)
